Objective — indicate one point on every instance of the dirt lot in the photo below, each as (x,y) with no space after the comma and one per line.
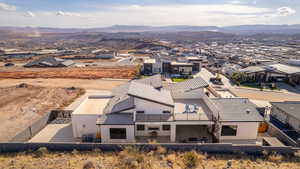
(124,72)
(20,106)
(273,96)
(159,159)
(97,84)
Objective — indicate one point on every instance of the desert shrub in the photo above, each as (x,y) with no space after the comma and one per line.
(88,165)
(297,154)
(265,152)
(190,159)
(161,150)
(274,157)
(130,158)
(40,152)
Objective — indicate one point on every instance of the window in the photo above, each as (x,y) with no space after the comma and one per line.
(166,112)
(140,112)
(166,127)
(117,133)
(153,128)
(140,127)
(229,130)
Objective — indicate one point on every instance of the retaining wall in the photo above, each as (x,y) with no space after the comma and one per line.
(276,132)
(209,148)
(38,125)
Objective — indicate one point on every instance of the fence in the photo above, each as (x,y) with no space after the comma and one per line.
(38,125)
(276,132)
(208,148)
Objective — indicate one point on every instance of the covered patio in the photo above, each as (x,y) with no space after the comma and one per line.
(194,134)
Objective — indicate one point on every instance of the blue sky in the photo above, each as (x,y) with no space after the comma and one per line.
(100,13)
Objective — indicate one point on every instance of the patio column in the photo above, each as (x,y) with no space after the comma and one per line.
(173,133)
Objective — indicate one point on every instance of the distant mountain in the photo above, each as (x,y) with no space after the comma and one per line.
(241,29)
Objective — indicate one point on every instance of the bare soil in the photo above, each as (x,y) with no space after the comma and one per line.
(97,84)
(125,72)
(20,107)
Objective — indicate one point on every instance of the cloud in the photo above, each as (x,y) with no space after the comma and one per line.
(7,7)
(155,15)
(285,11)
(29,14)
(61,13)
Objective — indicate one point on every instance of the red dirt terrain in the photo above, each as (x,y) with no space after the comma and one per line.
(72,73)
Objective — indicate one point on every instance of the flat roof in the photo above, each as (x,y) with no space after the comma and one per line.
(92,106)
(201,112)
(181,64)
(150,61)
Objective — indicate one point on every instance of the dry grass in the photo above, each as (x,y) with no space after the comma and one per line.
(133,158)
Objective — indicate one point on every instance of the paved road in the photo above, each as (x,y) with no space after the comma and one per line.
(272,96)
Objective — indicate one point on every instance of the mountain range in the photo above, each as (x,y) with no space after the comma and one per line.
(241,29)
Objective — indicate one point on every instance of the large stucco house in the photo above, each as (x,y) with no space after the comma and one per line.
(144,110)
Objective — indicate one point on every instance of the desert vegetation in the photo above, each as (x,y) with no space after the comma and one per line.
(133,158)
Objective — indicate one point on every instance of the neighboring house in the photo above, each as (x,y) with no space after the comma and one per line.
(143,110)
(229,69)
(287,113)
(185,66)
(254,73)
(181,68)
(272,72)
(151,66)
(50,62)
(104,54)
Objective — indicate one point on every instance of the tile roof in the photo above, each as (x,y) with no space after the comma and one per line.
(237,109)
(49,61)
(187,85)
(154,81)
(290,107)
(116,119)
(148,92)
(285,68)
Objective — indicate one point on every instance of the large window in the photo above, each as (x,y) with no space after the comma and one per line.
(117,133)
(229,130)
(166,127)
(140,127)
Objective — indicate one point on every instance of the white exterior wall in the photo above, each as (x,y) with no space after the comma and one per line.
(157,67)
(279,115)
(245,131)
(295,123)
(146,132)
(105,134)
(150,107)
(84,124)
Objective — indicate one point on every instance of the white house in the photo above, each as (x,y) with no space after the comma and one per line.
(144,110)
(287,113)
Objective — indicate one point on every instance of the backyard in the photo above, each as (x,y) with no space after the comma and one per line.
(23,104)
(131,158)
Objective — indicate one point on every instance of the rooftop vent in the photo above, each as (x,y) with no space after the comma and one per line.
(248,111)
